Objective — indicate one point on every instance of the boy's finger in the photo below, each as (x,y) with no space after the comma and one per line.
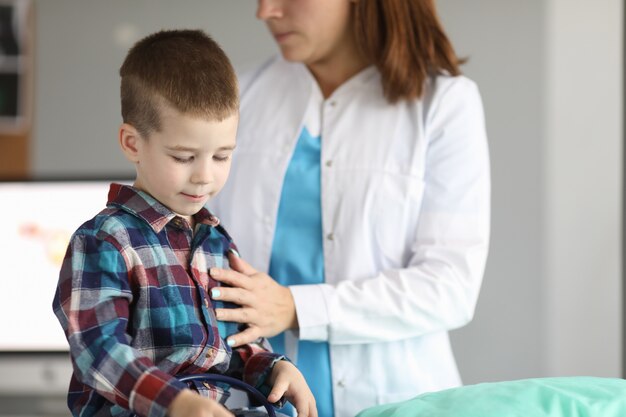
(303,411)
(305,407)
(278,390)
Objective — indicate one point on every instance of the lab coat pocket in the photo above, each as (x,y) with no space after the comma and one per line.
(398,200)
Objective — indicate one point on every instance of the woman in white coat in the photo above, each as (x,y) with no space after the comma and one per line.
(359,195)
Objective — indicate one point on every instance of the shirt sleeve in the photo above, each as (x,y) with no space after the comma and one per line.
(438,288)
(253,363)
(92,304)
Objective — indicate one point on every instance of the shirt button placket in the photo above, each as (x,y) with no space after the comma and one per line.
(210,354)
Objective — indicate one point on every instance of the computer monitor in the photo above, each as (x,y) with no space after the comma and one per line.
(37,219)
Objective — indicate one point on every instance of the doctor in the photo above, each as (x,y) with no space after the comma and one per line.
(359,193)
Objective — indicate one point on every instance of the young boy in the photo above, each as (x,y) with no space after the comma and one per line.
(133,290)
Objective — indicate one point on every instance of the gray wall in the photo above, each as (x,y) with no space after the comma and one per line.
(504,41)
(80,47)
(583,187)
(550,75)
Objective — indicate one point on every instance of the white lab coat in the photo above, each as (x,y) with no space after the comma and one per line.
(405,193)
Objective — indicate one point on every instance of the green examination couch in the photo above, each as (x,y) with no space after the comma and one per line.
(539,397)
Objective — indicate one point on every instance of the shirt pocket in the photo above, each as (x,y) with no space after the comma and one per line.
(397,207)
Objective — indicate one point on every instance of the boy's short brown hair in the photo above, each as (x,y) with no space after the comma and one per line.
(184,69)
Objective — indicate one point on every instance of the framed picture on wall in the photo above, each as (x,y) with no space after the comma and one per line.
(16,34)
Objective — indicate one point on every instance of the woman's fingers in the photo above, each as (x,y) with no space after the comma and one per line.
(238,264)
(230,277)
(249,335)
(237,315)
(240,296)
(263,303)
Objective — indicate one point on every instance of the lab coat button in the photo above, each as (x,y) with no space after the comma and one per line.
(329,163)
(341,384)
(330,236)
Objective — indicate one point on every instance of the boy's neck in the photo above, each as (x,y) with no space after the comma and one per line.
(191,221)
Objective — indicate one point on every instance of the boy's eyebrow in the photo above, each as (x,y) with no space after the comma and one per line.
(188,149)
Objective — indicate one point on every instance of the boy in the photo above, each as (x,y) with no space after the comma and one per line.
(133,289)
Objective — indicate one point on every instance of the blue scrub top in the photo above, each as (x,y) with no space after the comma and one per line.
(298,257)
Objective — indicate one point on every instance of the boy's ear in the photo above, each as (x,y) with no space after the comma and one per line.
(129,139)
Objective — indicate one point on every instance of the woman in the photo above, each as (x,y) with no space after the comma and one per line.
(360,194)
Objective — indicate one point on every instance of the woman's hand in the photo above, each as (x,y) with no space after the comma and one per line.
(286,380)
(266,306)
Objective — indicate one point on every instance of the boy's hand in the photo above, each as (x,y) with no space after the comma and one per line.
(190,404)
(287,380)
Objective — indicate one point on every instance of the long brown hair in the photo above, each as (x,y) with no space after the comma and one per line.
(406,42)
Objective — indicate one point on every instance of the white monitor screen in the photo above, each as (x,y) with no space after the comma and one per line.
(37,219)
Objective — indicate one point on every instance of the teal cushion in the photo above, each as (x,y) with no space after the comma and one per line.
(539,397)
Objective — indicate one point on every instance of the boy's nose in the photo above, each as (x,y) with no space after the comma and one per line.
(203,174)
(267,9)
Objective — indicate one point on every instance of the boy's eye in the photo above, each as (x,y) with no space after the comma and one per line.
(221,158)
(183,160)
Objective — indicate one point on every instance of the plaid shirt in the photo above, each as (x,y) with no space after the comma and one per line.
(133,301)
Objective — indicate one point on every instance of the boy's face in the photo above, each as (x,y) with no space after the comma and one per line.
(187,162)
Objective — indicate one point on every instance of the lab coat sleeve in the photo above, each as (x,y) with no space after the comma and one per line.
(438,288)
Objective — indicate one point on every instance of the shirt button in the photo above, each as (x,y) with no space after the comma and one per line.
(330,236)
(333,103)
(329,163)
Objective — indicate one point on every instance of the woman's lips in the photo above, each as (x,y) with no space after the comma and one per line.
(282,37)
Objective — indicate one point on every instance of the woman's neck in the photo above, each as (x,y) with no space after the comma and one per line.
(331,74)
